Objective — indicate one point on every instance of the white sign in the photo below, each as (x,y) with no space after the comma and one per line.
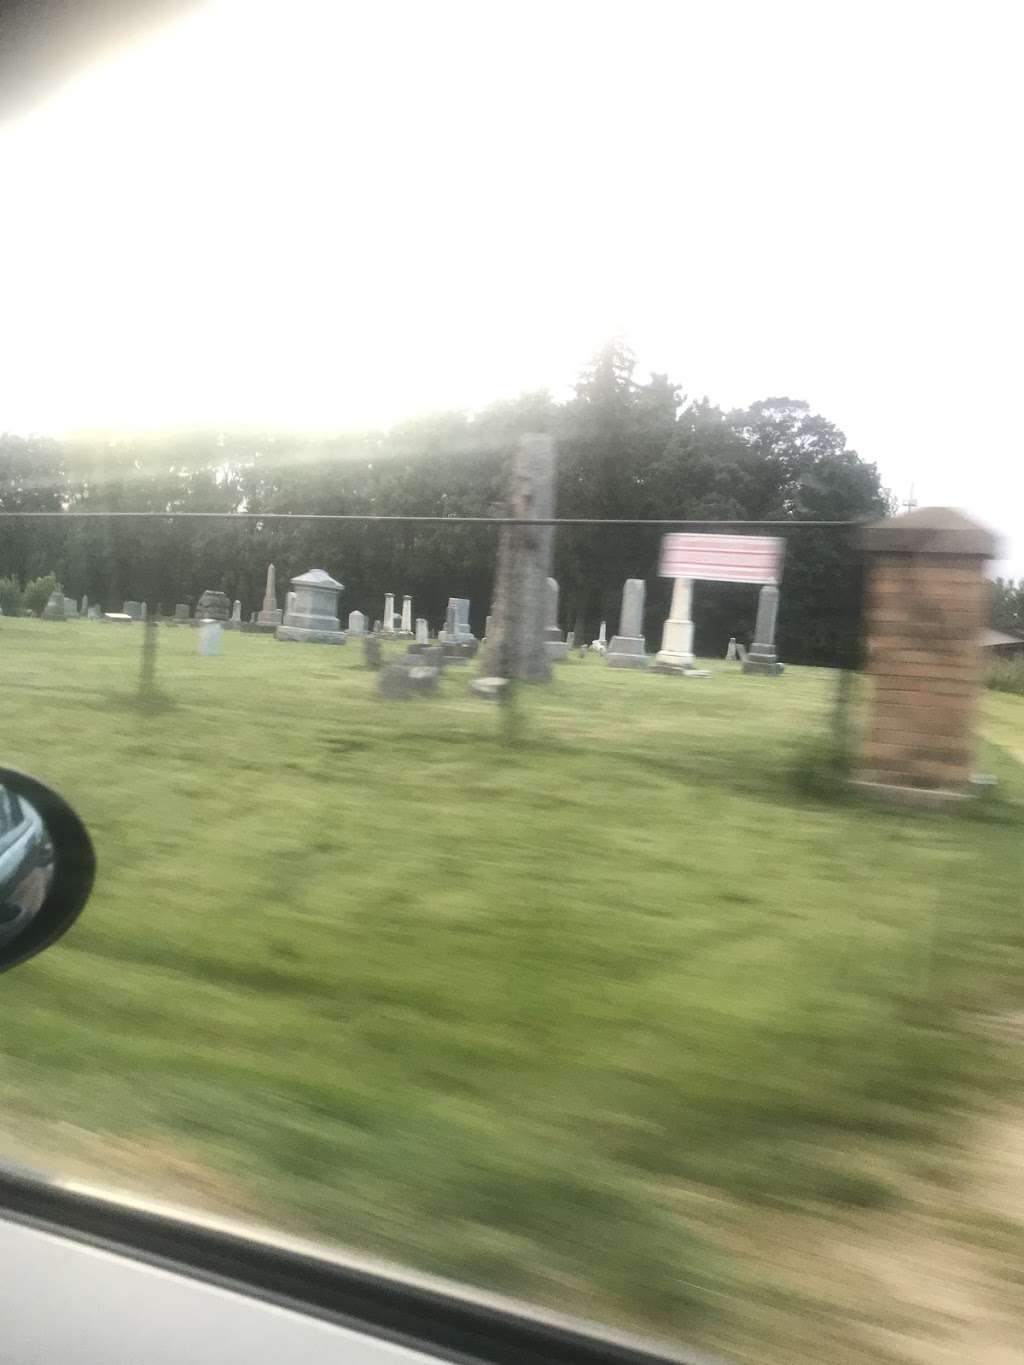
(722,559)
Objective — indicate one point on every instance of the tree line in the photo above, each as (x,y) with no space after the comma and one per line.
(626,449)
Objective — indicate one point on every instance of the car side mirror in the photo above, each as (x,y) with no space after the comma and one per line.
(47,866)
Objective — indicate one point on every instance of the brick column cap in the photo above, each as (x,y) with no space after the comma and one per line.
(929,531)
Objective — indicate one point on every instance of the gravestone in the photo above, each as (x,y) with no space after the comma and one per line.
(182,612)
(456,625)
(554,646)
(423,679)
(95,612)
(389,613)
(236,615)
(209,637)
(212,606)
(132,609)
(628,649)
(84,608)
(731,653)
(600,645)
(676,653)
(406,626)
(761,658)
(271,614)
(54,609)
(393,683)
(118,617)
(488,627)
(377,627)
(570,640)
(70,609)
(356,623)
(422,633)
(311,618)
(371,651)
(491,689)
(144,612)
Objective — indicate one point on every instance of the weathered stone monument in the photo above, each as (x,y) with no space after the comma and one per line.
(84,608)
(70,609)
(628,649)
(270,615)
(236,615)
(487,628)
(554,646)
(516,647)
(926,601)
(676,652)
(393,683)
(95,612)
(182,612)
(133,609)
(388,624)
(212,606)
(422,631)
(209,637)
(356,623)
(761,658)
(371,651)
(312,616)
(600,645)
(54,609)
(406,628)
(731,651)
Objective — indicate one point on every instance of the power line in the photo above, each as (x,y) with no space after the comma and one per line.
(442,520)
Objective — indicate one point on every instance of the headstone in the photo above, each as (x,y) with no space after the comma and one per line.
(389,613)
(118,617)
(271,614)
(554,646)
(84,608)
(144,611)
(371,651)
(570,640)
(431,656)
(600,645)
(209,637)
(406,626)
(731,652)
(95,612)
(132,609)
(628,649)
(311,617)
(761,659)
(236,613)
(515,645)
(54,609)
(356,623)
(676,652)
(377,627)
(213,605)
(422,633)
(393,683)
(423,679)
(70,609)
(456,626)
(488,627)
(491,689)
(182,611)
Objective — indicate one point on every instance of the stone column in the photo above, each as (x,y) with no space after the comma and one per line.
(515,642)
(628,649)
(926,601)
(761,657)
(389,613)
(271,614)
(236,614)
(676,653)
(407,616)
(554,645)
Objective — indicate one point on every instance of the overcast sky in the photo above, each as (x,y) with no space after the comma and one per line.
(321,214)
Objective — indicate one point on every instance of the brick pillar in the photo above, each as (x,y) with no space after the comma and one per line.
(924,611)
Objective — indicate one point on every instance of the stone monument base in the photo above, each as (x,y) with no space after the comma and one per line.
(762,665)
(679,670)
(627,651)
(556,650)
(310,637)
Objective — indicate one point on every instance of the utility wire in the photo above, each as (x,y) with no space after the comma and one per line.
(443,520)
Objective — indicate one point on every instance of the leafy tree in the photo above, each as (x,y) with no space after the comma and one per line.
(39,590)
(1007,604)
(11,599)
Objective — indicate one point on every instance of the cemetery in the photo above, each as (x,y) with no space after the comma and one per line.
(458,897)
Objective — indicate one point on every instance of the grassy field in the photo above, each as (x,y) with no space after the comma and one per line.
(602,1005)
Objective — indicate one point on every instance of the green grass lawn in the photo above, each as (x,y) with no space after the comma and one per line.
(518,1001)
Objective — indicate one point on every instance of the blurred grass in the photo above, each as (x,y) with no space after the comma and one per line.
(488,1009)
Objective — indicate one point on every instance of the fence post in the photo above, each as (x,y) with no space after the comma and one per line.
(924,611)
